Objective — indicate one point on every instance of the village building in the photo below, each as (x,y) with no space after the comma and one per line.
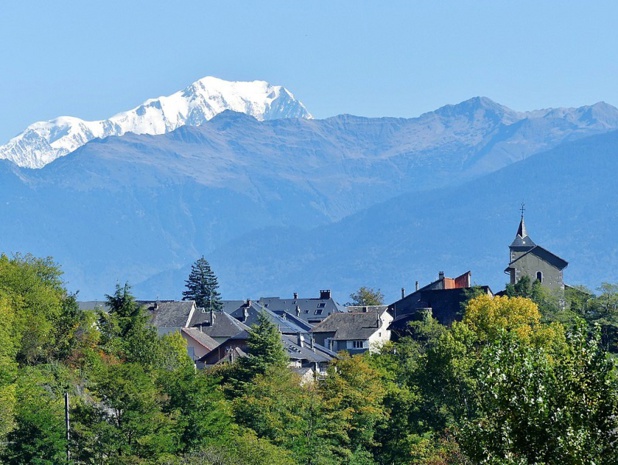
(359,331)
(534,261)
(443,299)
(312,310)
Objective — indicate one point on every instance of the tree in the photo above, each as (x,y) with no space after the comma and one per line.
(264,350)
(353,394)
(366,296)
(196,400)
(279,408)
(39,434)
(202,286)
(125,422)
(126,329)
(34,287)
(534,405)
(8,366)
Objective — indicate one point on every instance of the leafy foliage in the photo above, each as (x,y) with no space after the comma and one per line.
(264,350)
(516,381)
(366,296)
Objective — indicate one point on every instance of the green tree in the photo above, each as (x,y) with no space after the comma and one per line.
(278,407)
(126,329)
(264,350)
(8,366)
(39,434)
(245,448)
(202,286)
(195,400)
(366,296)
(34,287)
(536,405)
(604,312)
(123,422)
(551,304)
(353,395)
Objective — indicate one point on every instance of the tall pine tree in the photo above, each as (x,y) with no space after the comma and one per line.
(202,287)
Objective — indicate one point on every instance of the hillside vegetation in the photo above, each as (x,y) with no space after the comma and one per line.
(509,384)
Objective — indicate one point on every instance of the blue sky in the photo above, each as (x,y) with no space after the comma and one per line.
(395,58)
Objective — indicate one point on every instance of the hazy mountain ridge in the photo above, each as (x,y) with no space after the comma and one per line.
(131,207)
(45,141)
(571,210)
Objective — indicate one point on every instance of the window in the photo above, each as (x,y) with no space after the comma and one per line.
(322,305)
(539,276)
(358,344)
(318,311)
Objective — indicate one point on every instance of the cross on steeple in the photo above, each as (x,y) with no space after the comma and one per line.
(523,208)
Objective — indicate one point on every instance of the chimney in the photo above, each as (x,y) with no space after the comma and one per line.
(295,295)
(245,313)
(325,294)
(301,340)
(417,285)
(403,292)
(298,310)
(441,275)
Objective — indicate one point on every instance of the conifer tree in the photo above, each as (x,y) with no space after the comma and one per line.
(202,286)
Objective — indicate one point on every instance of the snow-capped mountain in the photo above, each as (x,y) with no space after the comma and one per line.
(44,141)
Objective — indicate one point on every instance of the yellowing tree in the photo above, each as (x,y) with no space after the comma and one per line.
(489,316)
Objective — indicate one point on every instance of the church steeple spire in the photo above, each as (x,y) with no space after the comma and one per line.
(522,240)
(521,231)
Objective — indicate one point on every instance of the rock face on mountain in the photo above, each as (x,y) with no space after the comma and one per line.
(290,204)
(44,141)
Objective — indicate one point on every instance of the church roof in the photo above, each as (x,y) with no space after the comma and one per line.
(543,254)
(521,238)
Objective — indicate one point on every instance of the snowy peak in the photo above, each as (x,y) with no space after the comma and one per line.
(43,142)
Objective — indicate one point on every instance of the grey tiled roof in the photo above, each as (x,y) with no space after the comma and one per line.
(350,326)
(169,313)
(200,337)
(312,309)
(220,326)
(93,305)
(304,352)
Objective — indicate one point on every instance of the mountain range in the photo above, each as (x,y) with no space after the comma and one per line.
(44,141)
(297,204)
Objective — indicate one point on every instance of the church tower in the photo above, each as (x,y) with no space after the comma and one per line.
(534,261)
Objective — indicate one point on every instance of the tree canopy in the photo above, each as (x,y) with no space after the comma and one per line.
(508,384)
(366,296)
(202,286)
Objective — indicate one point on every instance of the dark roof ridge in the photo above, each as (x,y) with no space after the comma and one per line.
(543,249)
